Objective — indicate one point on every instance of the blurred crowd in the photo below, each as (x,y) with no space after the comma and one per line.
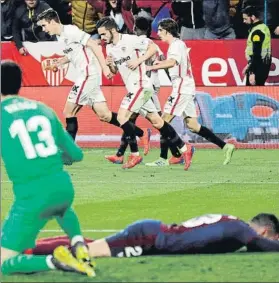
(197,19)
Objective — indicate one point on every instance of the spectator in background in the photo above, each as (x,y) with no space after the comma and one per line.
(217,19)
(86,14)
(269,13)
(240,29)
(144,12)
(63,8)
(273,17)
(7,14)
(190,18)
(121,12)
(24,26)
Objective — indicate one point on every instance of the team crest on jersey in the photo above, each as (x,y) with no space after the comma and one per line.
(123,48)
(54,75)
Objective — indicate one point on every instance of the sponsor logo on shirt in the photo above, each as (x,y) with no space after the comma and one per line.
(68,50)
(122,60)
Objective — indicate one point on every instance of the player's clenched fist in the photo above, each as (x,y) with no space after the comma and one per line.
(133,64)
(109,60)
(107,73)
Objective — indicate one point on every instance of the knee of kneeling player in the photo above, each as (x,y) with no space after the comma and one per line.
(7,254)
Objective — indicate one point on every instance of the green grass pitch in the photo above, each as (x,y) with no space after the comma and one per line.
(108,198)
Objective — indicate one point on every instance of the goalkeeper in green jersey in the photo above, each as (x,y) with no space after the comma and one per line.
(34,147)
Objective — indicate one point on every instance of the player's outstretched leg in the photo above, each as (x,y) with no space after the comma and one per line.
(228,152)
(13,262)
(175,141)
(168,133)
(72,126)
(134,159)
(204,132)
(144,136)
(177,158)
(163,160)
(118,158)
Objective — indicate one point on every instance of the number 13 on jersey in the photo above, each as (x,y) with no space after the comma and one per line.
(42,127)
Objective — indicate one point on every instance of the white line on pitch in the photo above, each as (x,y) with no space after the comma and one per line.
(85,230)
(162,182)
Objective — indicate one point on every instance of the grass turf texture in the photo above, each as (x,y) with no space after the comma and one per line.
(108,197)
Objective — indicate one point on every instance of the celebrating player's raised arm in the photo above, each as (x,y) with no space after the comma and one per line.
(173,58)
(139,44)
(165,64)
(97,50)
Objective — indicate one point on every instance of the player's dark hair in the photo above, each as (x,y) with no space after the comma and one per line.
(170,26)
(48,15)
(11,77)
(267,220)
(107,22)
(143,26)
(252,11)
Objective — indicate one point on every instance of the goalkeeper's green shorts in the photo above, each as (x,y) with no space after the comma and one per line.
(28,216)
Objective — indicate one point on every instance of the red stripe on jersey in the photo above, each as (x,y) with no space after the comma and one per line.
(135,98)
(87,74)
(179,91)
(50,76)
(87,60)
(80,90)
(133,241)
(140,70)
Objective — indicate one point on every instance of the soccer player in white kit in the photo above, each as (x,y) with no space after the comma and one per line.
(124,54)
(181,100)
(142,28)
(85,54)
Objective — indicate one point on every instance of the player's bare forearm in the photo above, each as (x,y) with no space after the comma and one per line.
(97,50)
(113,69)
(166,64)
(151,51)
(64,60)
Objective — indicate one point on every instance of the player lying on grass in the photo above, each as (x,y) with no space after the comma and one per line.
(207,234)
